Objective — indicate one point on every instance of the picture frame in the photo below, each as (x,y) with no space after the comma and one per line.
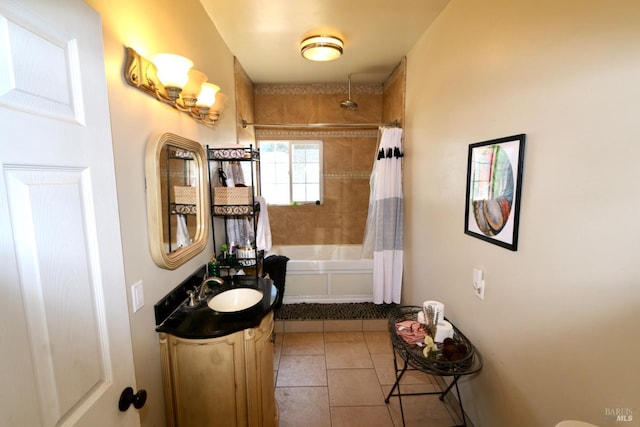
(494,185)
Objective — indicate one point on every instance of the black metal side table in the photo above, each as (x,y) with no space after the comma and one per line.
(414,359)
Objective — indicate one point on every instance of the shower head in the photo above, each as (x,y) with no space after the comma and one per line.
(349,104)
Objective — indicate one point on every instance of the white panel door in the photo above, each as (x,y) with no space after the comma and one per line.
(65,344)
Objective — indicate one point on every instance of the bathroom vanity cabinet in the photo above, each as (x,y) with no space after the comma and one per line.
(237,207)
(225,381)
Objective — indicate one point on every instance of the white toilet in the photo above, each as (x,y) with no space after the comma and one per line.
(574,423)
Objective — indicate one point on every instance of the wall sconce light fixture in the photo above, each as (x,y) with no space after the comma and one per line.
(172,80)
(321,48)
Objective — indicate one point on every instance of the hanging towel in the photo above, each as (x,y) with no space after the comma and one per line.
(263,232)
(234,174)
(239,229)
(275,266)
(182,233)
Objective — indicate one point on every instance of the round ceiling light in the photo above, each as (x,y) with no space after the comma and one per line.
(321,48)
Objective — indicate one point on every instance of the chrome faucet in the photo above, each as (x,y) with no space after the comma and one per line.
(204,285)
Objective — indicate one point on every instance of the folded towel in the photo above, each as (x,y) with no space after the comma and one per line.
(411,331)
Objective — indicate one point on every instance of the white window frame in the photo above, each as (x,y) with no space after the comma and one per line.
(291,143)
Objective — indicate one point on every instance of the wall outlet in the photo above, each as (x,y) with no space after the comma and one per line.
(137,296)
(478,282)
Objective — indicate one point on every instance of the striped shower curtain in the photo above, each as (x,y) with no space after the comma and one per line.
(383,234)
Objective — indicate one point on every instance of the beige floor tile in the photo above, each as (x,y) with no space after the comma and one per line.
(383,364)
(277,350)
(303,343)
(409,388)
(354,387)
(380,325)
(416,378)
(419,410)
(413,376)
(278,326)
(305,362)
(291,326)
(342,325)
(303,406)
(360,416)
(453,407)
(378,342)
(302,371)
(343,337)
(342,355)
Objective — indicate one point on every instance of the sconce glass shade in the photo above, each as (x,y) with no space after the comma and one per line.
(218,106)
(321,48)
(192,89)
(172,70)
(207,96)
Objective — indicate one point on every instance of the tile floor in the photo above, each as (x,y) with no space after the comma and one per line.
(336,373)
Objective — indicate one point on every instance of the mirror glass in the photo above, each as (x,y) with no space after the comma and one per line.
(176,199)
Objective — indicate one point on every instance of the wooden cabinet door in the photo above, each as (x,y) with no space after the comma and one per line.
(205,381)
(261,393)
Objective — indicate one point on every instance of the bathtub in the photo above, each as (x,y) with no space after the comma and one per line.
(326,273)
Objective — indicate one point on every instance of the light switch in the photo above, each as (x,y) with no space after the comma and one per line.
(137,296)
(478,282)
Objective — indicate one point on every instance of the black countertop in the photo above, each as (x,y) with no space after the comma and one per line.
(175,317)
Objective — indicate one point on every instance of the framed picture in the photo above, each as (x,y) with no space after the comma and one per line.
(494,182)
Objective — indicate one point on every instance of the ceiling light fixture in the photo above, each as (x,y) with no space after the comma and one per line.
(172,80)
(321,48)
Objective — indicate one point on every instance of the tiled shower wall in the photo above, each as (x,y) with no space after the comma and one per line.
(349,154)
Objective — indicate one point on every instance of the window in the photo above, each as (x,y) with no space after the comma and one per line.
(290,171)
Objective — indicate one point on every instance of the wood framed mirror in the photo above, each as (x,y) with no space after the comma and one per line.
(177,199)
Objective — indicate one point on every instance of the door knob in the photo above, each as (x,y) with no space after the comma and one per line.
(128,398)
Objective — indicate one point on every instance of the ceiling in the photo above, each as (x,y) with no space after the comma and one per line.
(265,36)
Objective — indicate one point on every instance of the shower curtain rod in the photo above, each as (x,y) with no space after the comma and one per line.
(395,123)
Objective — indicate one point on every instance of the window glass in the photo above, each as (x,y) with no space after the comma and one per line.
(290,171)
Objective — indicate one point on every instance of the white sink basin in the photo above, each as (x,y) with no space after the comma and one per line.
(235,300)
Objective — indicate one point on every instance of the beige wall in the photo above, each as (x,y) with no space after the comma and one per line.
(558,327)
(244,104)
(152,26)
(348,154)
(394,95)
